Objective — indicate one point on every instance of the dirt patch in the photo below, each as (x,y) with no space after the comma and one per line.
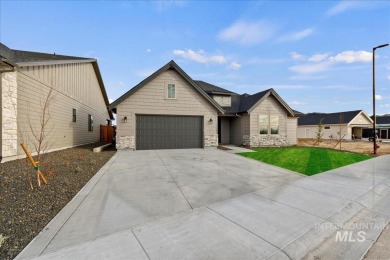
(25,212)
(356,146)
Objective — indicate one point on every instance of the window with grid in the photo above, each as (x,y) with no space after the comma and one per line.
(263,124)
(274,125)
(171,91)
(74,115)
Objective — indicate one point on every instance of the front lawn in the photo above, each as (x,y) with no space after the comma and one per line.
(306,160)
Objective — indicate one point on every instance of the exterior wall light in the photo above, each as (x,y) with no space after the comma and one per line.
(125,119)
(211,120)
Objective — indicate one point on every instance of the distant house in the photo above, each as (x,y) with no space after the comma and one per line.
(78,107)
(382,126)
(348,125)
(170,110)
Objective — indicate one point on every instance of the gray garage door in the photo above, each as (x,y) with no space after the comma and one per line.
(168,132)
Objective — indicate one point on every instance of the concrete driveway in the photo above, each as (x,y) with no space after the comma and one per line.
(197,204)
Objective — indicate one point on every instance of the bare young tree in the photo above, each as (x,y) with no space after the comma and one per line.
(40,132)
(341,133)
(319,132)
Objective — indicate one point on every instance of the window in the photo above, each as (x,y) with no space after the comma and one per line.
(269,124)
(327,127)
(263,124)
(74,115)
(90,123)
(171,91)
(224,101)
(274,125)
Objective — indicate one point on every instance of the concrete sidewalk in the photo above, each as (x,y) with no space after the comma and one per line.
(196,204)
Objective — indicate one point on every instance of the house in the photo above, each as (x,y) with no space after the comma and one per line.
(170,110)
(382,126)
(77,103)
(347,125)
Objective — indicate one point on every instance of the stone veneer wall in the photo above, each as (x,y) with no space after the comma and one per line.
(264,140)
(123,142)
(9,126)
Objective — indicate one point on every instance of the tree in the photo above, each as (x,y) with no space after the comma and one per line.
(340,133)
(319,132)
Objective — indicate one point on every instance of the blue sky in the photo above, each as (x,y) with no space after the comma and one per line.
(316,54)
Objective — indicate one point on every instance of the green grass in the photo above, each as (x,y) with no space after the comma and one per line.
(306,160)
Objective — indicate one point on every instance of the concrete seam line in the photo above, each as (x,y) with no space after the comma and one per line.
(139,242)
(104,173)
(177,185)
(250,232)
(368,249)
(288,205)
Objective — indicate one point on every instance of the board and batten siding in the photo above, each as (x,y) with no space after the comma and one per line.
(152,99)
(292,125)
(75,86)
(75,80)
(332,133)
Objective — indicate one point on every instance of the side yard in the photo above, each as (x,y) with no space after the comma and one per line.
(305,160)
(352,146)
(25,212)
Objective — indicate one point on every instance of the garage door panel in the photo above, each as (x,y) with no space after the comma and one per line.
(168,132)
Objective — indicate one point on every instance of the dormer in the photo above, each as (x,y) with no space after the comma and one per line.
(223,100)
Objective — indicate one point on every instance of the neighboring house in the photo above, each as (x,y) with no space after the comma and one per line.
(348,125)
(383,128)
(79,100)
(169,110)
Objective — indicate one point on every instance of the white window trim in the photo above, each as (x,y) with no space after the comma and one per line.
(167,91)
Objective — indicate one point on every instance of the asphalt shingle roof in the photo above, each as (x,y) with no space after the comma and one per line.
(328,118)
(383,120)
(210,88)
(29,56)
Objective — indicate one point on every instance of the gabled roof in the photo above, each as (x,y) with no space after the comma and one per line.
(329,118)
(245,102)
(212,89)
(19,56)
(169,65)
(26,58)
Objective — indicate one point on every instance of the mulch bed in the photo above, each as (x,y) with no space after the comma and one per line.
(25,212)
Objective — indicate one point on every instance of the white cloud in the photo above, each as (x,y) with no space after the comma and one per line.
(296,56)
(311,68)
(306,77)
(286,86)
(352,56)
(348,5)
(318,57)
(248,33)
(384,105)
(378,97)
(163,5)
(117,84)
(388,77)
(143,73)
(200,56)
(148,50)
(296,36)
(110,100)
(234,65)
(296,103)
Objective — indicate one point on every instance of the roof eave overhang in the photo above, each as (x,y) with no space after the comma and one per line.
(10,65)
(53,62)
